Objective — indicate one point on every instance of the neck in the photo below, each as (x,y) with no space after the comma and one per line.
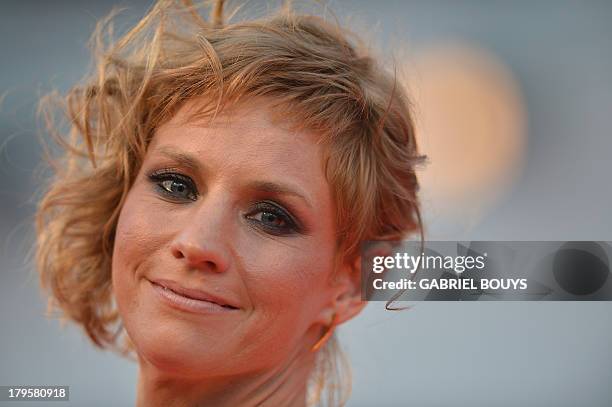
(283,386)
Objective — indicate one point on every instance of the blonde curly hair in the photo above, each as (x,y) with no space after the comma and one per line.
(316,69)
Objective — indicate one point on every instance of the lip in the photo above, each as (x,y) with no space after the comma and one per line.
(189,299)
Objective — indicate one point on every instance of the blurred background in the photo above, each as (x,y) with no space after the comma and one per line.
(513,102)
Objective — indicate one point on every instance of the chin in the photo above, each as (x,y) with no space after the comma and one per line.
(175,353)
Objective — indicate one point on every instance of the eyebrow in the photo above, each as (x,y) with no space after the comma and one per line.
(279,189)
(181,158)
(190,162)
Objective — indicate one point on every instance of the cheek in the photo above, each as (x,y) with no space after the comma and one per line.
(288,287)
(137,237)
(140,231)
(283,278)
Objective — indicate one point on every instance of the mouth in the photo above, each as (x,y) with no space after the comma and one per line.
(191,300)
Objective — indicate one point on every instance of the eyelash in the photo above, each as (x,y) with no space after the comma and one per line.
(167,175)
(292,226)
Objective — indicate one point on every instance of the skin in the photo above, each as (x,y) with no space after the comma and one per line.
(209,230)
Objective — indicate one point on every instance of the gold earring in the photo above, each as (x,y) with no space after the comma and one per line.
(325,337)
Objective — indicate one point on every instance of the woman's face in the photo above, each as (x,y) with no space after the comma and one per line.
(240,213)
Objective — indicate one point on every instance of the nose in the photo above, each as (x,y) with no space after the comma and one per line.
(202,241)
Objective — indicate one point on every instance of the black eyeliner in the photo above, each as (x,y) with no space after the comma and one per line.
(171,174)
(277,209)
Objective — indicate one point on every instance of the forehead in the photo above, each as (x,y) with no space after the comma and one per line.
(248,140)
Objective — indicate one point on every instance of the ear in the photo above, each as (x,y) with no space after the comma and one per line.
(347,301)
(372,250)
(347,295)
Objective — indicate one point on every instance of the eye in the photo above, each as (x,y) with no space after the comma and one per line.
(174,185)
(273,219)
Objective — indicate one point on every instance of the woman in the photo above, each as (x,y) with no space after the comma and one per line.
(207,211)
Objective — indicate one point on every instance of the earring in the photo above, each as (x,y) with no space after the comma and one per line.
(325,337)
